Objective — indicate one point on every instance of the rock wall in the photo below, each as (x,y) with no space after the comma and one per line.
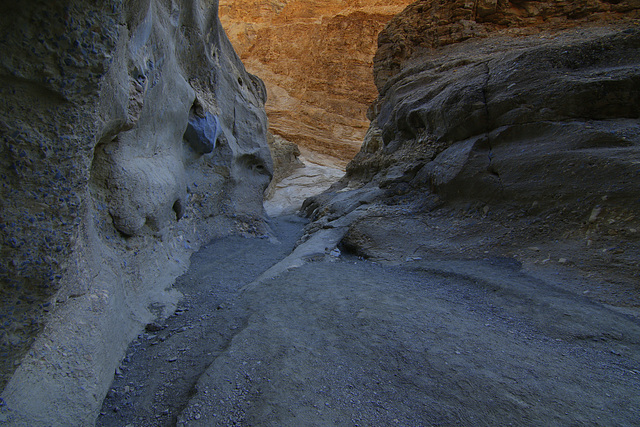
(509,124)
(502,110)
(316,60)
(427,25)
(131,134)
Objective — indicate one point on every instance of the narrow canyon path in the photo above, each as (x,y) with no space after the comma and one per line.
(348,342)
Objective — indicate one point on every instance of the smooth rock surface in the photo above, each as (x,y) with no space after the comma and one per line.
(323,338)
(202,133)
(103,200)
(302,183)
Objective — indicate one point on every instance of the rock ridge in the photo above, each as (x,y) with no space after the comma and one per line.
(427,25)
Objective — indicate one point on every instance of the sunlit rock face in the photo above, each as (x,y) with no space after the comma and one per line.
(316,60)
(131,134)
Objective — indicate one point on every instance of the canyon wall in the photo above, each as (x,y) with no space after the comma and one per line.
(316,60)
(500,126)
(131,134)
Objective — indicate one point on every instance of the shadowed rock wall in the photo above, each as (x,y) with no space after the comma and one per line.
(532,101)
(506,123)
(103,194)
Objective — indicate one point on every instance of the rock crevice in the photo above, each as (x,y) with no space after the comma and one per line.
(316,59)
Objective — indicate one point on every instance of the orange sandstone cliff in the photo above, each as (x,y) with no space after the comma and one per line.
(316,58)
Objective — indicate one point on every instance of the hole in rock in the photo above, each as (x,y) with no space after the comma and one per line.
(178,209)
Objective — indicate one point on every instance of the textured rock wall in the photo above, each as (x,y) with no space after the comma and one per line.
(316,60)
(285,156)
(427,25)
(507,124)
(104,195)
(501,111)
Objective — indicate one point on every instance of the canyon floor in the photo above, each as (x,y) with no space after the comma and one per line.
(344,341)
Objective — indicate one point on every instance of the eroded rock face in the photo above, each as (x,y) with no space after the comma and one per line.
(522,107)
(427,25)
(316,60)
(131,133)
(506,124)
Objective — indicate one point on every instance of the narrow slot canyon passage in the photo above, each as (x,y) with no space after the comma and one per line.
(320,213)
(293,330)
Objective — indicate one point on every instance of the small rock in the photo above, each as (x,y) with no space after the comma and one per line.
(172,359)
(153,327)
(562,261)
(335,253)
(594,214)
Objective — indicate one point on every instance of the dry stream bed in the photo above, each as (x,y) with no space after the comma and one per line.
(344,341)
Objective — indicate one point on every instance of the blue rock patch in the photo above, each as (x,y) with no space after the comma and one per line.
(202,133)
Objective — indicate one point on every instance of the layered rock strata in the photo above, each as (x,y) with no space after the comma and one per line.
(131,133)
(316,60)
(501,126)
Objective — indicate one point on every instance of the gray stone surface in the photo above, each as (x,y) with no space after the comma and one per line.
(499,144)
(547,117)
(305,181)
(102,199)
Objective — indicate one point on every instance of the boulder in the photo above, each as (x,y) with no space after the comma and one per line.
(202,133)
